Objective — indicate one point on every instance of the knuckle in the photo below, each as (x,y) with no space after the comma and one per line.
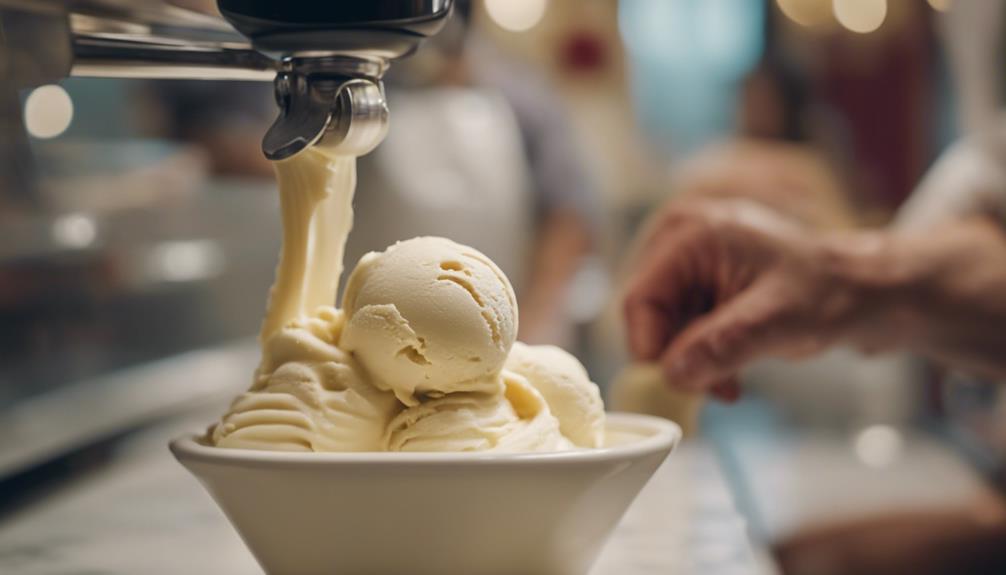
(632,300)
(732,338)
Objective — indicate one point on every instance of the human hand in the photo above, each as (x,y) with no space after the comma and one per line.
(719,284)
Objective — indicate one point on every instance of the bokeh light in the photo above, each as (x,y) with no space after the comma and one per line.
(516,15)
(48,111)
(185,260)
(862,16)
(75,231)
(809,13)
(878,445)
(940,5)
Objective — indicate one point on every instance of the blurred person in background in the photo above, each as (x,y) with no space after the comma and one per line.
(480,150)
(723,281)
(779,154)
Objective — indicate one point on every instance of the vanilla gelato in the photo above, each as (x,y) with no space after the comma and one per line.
(514,419)
(561,379)
(422,357)
(308,395)
(428,317)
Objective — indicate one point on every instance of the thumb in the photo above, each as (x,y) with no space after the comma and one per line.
(714,347)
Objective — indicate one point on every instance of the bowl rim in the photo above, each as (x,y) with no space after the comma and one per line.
(662,434)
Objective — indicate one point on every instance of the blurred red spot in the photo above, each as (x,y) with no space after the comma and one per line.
(583,52)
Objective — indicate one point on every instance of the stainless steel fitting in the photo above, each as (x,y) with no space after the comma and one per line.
(336,103)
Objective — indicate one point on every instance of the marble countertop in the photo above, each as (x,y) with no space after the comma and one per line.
(143,513)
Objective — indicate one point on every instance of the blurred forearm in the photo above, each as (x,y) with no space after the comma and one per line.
(941,293)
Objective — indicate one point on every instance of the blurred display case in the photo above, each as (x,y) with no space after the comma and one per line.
(134,255)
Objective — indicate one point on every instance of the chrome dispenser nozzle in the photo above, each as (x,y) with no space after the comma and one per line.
(333,55)
(333,102)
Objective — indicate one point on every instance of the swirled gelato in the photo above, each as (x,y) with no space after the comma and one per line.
(308,395)
(562,381)
(421,357)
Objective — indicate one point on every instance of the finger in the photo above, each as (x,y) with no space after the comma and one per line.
(716,346)
(648,328)
(656,302)
(727,390)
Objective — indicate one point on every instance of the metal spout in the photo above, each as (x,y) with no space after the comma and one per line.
(336,103)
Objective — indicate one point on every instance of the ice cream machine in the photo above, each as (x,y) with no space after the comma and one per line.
(326,59)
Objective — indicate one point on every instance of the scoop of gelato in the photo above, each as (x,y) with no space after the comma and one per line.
(563,382)
(428,317)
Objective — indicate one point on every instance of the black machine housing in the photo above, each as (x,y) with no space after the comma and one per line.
(386,29)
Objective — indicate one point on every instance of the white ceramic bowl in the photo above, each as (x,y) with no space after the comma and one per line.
(431,513)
